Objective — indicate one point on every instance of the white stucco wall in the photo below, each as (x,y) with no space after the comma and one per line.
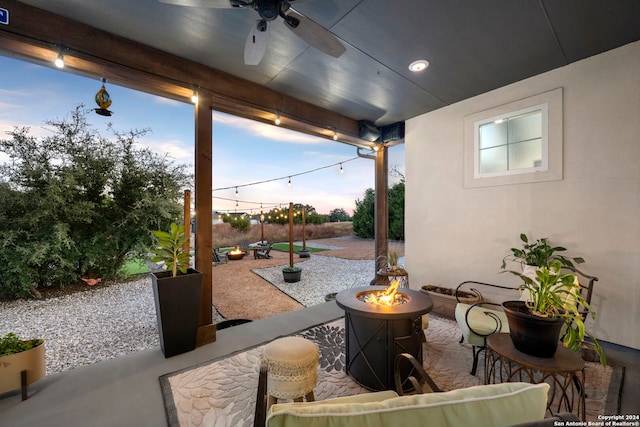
(455,234)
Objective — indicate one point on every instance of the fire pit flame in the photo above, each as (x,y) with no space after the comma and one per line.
(389,296)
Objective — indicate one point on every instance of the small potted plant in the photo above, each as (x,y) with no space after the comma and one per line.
(552,299)
(390,268)
(177,292)
(21,363)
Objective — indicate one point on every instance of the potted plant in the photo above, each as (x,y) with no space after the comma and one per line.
(391,269)
(21,363)
(552,299)
(445,299)
(539,254)
(291,273)
(177,293)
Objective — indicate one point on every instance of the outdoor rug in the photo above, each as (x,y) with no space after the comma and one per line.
(222,392)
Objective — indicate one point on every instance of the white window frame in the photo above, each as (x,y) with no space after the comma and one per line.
(551,166)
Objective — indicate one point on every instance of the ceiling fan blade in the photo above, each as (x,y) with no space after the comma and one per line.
(314,34)
(256,44)
(217,4)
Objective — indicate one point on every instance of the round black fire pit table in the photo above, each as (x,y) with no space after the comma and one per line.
(376,334)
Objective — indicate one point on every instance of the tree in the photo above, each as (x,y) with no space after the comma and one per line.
(364,213)
(338,215)
(76,204)
(396,211)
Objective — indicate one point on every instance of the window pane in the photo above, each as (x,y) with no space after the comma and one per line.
(493,160)
(493,134)
(525,155)
(525,127)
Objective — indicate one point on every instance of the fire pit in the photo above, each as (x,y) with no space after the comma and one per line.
(236,254)
(376,333)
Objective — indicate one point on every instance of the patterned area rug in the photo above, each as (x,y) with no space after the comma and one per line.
(222,392)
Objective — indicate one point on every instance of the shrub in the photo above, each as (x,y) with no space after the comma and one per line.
(76,204)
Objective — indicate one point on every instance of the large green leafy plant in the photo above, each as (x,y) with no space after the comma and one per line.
(539,253)
(170,249)
(555,294)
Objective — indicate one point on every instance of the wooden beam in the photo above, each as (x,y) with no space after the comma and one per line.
(381,207)
(203,202)
(93,52)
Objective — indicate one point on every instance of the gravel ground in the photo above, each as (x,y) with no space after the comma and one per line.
(109,322)
(86,327)
(321,275)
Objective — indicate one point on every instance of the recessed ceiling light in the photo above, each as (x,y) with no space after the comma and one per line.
(418,65)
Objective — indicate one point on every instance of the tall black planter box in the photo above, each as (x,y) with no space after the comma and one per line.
(177,302)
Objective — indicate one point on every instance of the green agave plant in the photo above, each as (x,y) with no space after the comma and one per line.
(170,249)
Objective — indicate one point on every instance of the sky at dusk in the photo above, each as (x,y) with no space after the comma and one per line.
(244,151)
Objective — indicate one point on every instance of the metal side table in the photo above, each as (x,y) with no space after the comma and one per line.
(564,372)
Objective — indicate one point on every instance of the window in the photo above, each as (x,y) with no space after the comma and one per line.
(515,143)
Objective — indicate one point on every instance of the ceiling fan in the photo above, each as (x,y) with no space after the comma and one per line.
(269,10)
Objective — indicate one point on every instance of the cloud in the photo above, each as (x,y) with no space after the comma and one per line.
(264,130)
(167,101)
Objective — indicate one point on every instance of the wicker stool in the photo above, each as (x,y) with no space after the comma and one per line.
(292,369)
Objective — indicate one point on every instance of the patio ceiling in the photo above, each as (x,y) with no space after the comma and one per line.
(473,47)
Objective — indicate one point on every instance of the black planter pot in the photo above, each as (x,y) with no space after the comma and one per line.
(177,301)
(292,276)
(534,335)
(304,254)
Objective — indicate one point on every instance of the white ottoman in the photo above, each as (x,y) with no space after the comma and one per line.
(292,368)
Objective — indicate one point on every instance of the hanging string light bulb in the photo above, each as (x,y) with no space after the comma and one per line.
(103,100)
(341,169)
(289,182)
(236,191)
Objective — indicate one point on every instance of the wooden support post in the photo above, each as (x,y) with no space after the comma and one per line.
(381,208)
(304,237)
(290,234)
(187,220)
(203,187)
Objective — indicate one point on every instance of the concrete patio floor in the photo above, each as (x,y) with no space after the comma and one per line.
(126,391)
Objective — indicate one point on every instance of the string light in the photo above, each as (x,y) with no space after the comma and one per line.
(194,96)
(341,169)
(289,181)
(285,177)
(335,135)
(277,121)
(236,191)
(59,62)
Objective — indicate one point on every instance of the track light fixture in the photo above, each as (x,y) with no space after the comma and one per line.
(194,96)
(335,135)
(277,121)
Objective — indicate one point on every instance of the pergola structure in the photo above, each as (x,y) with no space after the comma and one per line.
(92,52)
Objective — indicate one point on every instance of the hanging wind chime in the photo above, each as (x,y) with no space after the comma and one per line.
(103,100)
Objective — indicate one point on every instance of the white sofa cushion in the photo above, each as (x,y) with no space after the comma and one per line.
(489,405)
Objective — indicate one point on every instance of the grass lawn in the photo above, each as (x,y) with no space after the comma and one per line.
(134,266)
(284,247)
